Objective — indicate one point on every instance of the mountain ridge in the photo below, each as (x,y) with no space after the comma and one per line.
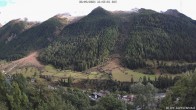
(135,36)
(16,26)
(34,38)
(129,38)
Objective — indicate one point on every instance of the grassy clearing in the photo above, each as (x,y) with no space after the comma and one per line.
(126,76)
(28,72)
(117,74)
(154,63)
(3,62)
(50,70)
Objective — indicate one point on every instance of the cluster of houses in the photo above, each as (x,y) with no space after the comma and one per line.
(129,98)
(95,96)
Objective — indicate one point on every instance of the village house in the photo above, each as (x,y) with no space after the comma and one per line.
(97,95)
(128,98)
(159,96)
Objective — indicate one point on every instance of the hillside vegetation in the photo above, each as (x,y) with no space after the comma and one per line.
(84,44)
(32,39)
(136,37)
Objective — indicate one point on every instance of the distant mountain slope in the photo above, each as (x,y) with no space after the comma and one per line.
(158,36)
(39,36)
(13,28)
(176,13)
(34,38)
(137,36)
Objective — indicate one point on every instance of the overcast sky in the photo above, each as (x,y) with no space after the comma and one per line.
(40,10)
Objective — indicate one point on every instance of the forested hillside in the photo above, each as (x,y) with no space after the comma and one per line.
(13,28)
(136,37)
(158,36)
(84,44)
(32,39)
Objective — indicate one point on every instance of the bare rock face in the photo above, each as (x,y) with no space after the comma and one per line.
(70,19)
(63,15)
(173,12)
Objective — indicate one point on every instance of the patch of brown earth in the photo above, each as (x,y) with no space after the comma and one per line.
(112,64)
(30,60)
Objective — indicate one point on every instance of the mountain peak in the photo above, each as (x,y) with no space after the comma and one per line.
(176,13)
(63,15)
(99,8)
(99,11)
(10,30)
(15,20)
(173,12)
(145,11)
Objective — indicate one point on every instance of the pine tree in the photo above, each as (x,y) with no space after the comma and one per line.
(144,80)
(132,80)
(69,81)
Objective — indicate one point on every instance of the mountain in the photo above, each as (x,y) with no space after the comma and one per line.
(135,37)
(97,20)
(81,43)
(87,41)
(33,39)
(13,28)
(99,11)
(175,13)
(10,31)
